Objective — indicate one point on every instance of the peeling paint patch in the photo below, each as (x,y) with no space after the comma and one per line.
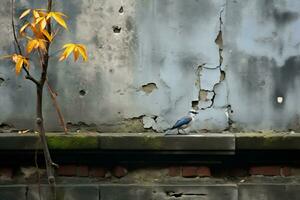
(128,125)
(7,128)
(149,88)
(148,122)
(154,123)
(81,126)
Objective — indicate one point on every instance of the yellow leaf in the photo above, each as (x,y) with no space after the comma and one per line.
(42,13)
(25,13)
(19,65)
(59,19)
(43,23)
(36,14)
(82,51)
(36,43)
(36,32)
(22,29)
(15,58)
(76,54)
(61,14)
(62,57)
(30,45)
(38,20)
(69,50)
(77,49)
(48,36)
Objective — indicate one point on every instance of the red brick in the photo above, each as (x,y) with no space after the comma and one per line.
(203,171)
(285,171)
(82,171)
(67,170)
(189,171)
(119,171)
(265,170)
(6,173)
(174,171)
(97,172)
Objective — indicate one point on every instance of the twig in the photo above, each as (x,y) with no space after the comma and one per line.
(59,113)
(28,76)
(53,98)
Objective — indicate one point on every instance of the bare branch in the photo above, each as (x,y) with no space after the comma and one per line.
(13,27)
(59,113)
(28,76)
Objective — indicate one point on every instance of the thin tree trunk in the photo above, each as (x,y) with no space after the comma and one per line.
(41,129)
(40,125)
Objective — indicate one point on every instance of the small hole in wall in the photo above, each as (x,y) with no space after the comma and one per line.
(280,99)
(1,81)
(121,10)
(116,29)
(82,93)
(195,105)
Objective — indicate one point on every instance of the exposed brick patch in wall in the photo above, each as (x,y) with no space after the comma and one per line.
(189,171)
(67,170)
(97,172)
(285,171)
(271,170)
(174,171)
(82,171)
(203,172)
(119,171)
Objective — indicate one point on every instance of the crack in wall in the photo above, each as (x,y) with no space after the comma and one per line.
(219,42)
(203,102)
(181,194)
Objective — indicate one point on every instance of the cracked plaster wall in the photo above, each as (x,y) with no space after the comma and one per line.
(152,60)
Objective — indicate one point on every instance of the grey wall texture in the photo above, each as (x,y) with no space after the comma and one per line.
(153,60)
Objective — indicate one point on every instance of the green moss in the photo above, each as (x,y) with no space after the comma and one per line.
(72,142)
(152,142)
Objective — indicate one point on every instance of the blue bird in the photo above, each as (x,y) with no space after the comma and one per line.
(184,122)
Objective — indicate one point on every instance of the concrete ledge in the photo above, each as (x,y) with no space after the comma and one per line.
(267,141)
(122,141)
(154,141)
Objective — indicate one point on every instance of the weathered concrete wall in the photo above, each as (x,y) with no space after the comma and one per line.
(151,60)
(262,47)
